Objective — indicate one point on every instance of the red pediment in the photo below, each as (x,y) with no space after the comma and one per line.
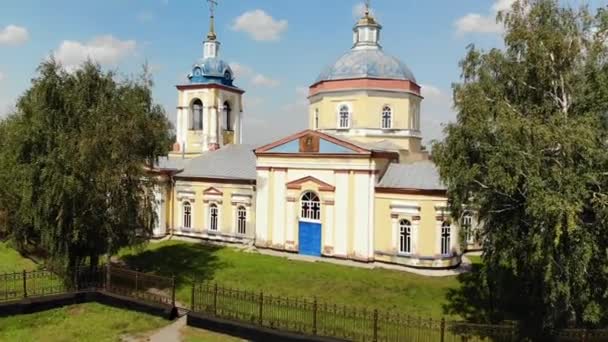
(212,191)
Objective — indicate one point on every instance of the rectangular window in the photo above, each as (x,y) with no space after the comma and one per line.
(445,240)
(242,221)
(213,217)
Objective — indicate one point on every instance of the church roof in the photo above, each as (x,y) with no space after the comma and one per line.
(366,63)
(420,175)
(235,162)
(211,70)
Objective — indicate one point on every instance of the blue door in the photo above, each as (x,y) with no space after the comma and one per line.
(310,238)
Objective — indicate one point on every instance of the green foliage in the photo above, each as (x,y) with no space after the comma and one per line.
(528,152)
(72,163)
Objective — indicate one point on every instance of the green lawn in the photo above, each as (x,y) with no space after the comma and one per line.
(190,334)
(377,288)
(12,261)
(84,322)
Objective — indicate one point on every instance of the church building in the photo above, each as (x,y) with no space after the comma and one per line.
(357,184)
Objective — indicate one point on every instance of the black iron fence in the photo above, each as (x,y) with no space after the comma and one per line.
(310,317)
(314,318)
(112,279)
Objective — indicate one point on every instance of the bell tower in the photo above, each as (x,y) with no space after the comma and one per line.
(210,107)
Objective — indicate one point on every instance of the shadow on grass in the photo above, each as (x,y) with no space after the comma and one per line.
(471,300)
(187,262)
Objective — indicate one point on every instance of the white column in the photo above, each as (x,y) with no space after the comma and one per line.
(341,214)
(213,138)
(415,235)
(178,126)
(371,245)
(361,212)
(278,234)
(205,215)
(394,232)
(290,228)
(261,217)
(328,229)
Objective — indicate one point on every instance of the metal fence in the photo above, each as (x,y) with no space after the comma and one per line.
(313,318)
(335,321)
(112,279)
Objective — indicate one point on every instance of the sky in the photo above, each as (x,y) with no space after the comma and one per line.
(276,48)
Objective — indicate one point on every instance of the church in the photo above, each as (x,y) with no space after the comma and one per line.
(357,184)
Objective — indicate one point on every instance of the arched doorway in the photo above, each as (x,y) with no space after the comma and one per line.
(310,224)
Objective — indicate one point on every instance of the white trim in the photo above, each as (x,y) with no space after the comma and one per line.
(375,132)
(241,198)
(406,208)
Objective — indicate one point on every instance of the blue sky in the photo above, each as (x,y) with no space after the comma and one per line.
(277,47)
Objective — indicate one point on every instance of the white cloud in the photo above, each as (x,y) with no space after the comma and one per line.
(261,80)
(105,50)
(14,35)
(245,72)
(259,25)
(241,70)
(436,111)
(478,23)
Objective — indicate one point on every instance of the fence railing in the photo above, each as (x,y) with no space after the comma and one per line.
(311,317)
(138,285)
(314,318)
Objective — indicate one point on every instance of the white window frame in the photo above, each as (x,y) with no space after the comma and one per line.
(190,214)
(316,214)
(388,120)
(193,119)
(406,237)
(239,209)
(445,239)
(217,217)
(348,118)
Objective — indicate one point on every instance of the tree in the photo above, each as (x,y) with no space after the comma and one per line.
(528,152)
(72,163)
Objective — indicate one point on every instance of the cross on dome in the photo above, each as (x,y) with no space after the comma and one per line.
(211,35)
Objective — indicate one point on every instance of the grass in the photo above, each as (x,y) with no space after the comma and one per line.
(475,259)
(84,322)
(190,334)
(376,288)
(12,261)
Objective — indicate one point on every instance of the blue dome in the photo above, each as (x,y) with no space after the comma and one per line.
(211,70)
(366,63)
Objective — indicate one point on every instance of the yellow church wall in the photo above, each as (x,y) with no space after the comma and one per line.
(193,192)
(427,241)
(366,109)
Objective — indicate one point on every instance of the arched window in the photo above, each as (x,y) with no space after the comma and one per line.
(196,120)
(241,220)
(187,212)
(316,124)
(344,117)
(387,117)
(311,206)
(446,232)
(467,227)
(213,217)
(405,237)
(227,119)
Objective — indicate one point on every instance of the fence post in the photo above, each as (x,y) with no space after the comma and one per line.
(108,276)
(24,284)
(314,317)
(192,297)
(442,329)
(215,299)
(173,291)
(136,281)
(375,325)
(261,302)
